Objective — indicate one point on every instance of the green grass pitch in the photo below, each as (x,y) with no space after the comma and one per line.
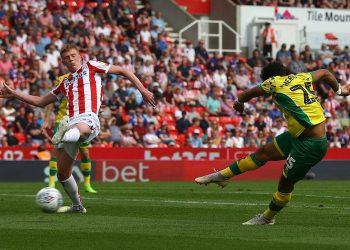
(179,215)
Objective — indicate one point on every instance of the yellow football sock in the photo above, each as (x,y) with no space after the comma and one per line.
(242,165)
(85,166)
(227,172)
(279,201)
(53,171)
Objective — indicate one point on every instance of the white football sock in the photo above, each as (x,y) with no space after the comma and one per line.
(71,188)
(72,135)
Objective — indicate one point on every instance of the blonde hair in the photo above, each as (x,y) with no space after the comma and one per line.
(69,47)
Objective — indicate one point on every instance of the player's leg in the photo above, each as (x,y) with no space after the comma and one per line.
(78,132)
(53,168)
(269,152)
(85,166)
(53,162)
(305,153)
(65,159)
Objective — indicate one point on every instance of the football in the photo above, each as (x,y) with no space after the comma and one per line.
(49,199)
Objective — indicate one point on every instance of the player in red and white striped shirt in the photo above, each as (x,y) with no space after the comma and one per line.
(83,90)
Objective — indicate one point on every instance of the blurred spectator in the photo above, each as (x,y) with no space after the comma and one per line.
(201,52)
(150,139)
(163,134)
(195,140)
(33,128)
(5,63)
(256,57)
(242,78)
(268,39)
(283,55)
(204,122)
(21,120)
(104,137)
(149,117)
(214,102)
(202,97)
(11,140)
(190,79)
(189,51)
(158,21)
(183,123)
(116,135)
(307,57)
(192,113)
(9,111)
(127,139)
(238,140)
(3,131)
(250,140)
(296,66)
(220,78)
(226,106)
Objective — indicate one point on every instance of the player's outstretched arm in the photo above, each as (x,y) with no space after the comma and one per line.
(247,96)
(325,75)
(39,101)
(46,123)
(146,94)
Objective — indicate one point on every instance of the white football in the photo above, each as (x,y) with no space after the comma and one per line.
(49,199)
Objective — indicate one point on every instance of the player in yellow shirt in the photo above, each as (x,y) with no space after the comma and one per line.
(302,146)
(85,163)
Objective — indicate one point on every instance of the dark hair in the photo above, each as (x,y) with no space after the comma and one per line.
(273,69)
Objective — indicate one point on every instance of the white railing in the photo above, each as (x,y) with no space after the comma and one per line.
(203,34)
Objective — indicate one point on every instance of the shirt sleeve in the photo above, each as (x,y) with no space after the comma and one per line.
(307,77)
(268,86)
(99,67)
(58,90)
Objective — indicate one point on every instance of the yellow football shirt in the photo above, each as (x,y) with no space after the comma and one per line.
(62,108)
(296,98)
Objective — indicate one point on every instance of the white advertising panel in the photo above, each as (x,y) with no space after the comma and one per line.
(321,25)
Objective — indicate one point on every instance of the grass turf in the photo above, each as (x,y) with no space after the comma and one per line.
(179,216)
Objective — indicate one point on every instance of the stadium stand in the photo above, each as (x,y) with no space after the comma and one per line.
(191,94)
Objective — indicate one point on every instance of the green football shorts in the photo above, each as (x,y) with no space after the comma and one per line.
(82,145)
(302,154)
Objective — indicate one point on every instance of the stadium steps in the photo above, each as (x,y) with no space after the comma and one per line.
(172,33)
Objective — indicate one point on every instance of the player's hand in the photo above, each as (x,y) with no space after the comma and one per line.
(148,97)
(238,106)
(345,90)
(5,90)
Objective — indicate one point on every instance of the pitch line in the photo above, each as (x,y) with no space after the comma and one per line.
(184,202)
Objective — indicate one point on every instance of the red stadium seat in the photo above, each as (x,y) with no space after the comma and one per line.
(169,110)
(126,118)
(214,118)
(168,118)
(236,120)
(181,139)
(20,137)
(171,128)
(225,120)
(200,110)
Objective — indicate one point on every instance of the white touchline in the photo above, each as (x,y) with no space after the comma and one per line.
(187,202)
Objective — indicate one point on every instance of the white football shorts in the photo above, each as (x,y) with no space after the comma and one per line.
(91,119)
